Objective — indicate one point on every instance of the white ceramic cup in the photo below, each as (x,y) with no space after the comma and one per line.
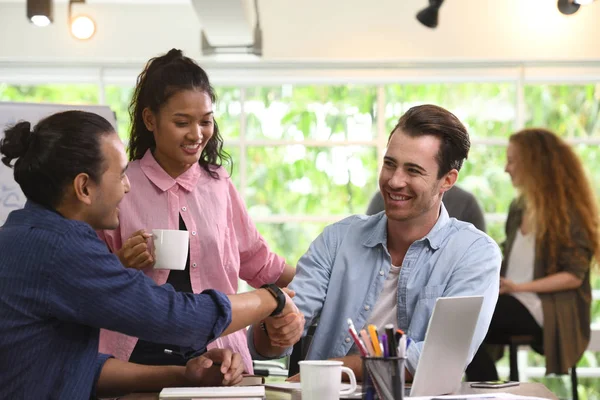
(321,380)
(170,248)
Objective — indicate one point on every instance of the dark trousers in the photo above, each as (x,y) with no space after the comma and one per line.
(510,318)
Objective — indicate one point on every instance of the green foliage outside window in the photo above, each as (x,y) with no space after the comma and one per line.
(51,93)
(228,110)
(572,111)
(487,109)
(315,112)
(118,98)
(310,180)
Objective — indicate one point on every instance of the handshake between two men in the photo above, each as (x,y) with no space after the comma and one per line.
(278,332)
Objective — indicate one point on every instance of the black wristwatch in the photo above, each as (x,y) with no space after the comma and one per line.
(279,296)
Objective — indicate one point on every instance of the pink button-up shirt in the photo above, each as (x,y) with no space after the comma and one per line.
(224,242)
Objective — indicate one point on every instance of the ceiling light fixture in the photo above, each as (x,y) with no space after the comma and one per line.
(429,15)
(254,48)
(82,27)
(569,7)
(39,12)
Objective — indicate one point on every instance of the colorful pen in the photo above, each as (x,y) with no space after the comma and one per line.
(367,342)
(359,345)
(396,369)
(375,339)
(402,347)
(392,344)
(399,333)
(384,343)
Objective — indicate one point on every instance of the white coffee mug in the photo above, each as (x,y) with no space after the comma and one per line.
(170,248)
(321,380)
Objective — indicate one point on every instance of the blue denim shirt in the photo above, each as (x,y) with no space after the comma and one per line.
(342,274)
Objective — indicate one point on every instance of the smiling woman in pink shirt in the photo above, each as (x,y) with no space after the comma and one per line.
(177,182)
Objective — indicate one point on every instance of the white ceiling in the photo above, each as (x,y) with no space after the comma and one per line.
(309,30)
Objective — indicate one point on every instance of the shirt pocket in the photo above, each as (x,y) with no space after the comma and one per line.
(423,310)
(431,293)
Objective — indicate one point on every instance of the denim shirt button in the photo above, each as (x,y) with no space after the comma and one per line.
(367,308)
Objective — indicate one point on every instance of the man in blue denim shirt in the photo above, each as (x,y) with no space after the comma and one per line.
(390,268)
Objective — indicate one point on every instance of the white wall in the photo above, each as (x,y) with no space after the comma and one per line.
(509,30)
(124,32)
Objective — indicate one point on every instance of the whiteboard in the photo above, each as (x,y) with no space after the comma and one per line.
(11,196)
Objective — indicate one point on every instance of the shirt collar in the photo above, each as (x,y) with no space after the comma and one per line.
(36,207)
(158,176)
(36,214)
(435,236)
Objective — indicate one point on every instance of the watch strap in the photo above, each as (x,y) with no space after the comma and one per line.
(278,294)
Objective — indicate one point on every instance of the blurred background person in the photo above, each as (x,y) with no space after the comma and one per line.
(551,239)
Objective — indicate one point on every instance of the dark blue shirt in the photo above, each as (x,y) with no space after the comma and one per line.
(59,285)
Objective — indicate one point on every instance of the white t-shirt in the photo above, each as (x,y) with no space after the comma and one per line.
(386,309)
(520,270)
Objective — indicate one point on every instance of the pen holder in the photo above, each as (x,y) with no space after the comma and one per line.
(383,378)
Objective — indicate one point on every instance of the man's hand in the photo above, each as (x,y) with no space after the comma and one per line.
(286,329)
(290,307)
(135,253)
(206,371)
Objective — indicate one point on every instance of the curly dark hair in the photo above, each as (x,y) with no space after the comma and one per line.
(161,78)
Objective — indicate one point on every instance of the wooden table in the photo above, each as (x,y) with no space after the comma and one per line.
(524,389)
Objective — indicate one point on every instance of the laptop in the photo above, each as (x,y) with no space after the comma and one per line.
(446,347)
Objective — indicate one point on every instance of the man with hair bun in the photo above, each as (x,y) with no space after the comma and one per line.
(59,284)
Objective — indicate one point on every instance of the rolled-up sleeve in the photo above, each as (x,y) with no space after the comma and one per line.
(100,361)
(89,286)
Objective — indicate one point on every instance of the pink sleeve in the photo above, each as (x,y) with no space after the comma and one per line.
(112,238)
(258,264)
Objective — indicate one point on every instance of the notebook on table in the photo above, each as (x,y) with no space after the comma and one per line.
(251,380)
(216,392)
